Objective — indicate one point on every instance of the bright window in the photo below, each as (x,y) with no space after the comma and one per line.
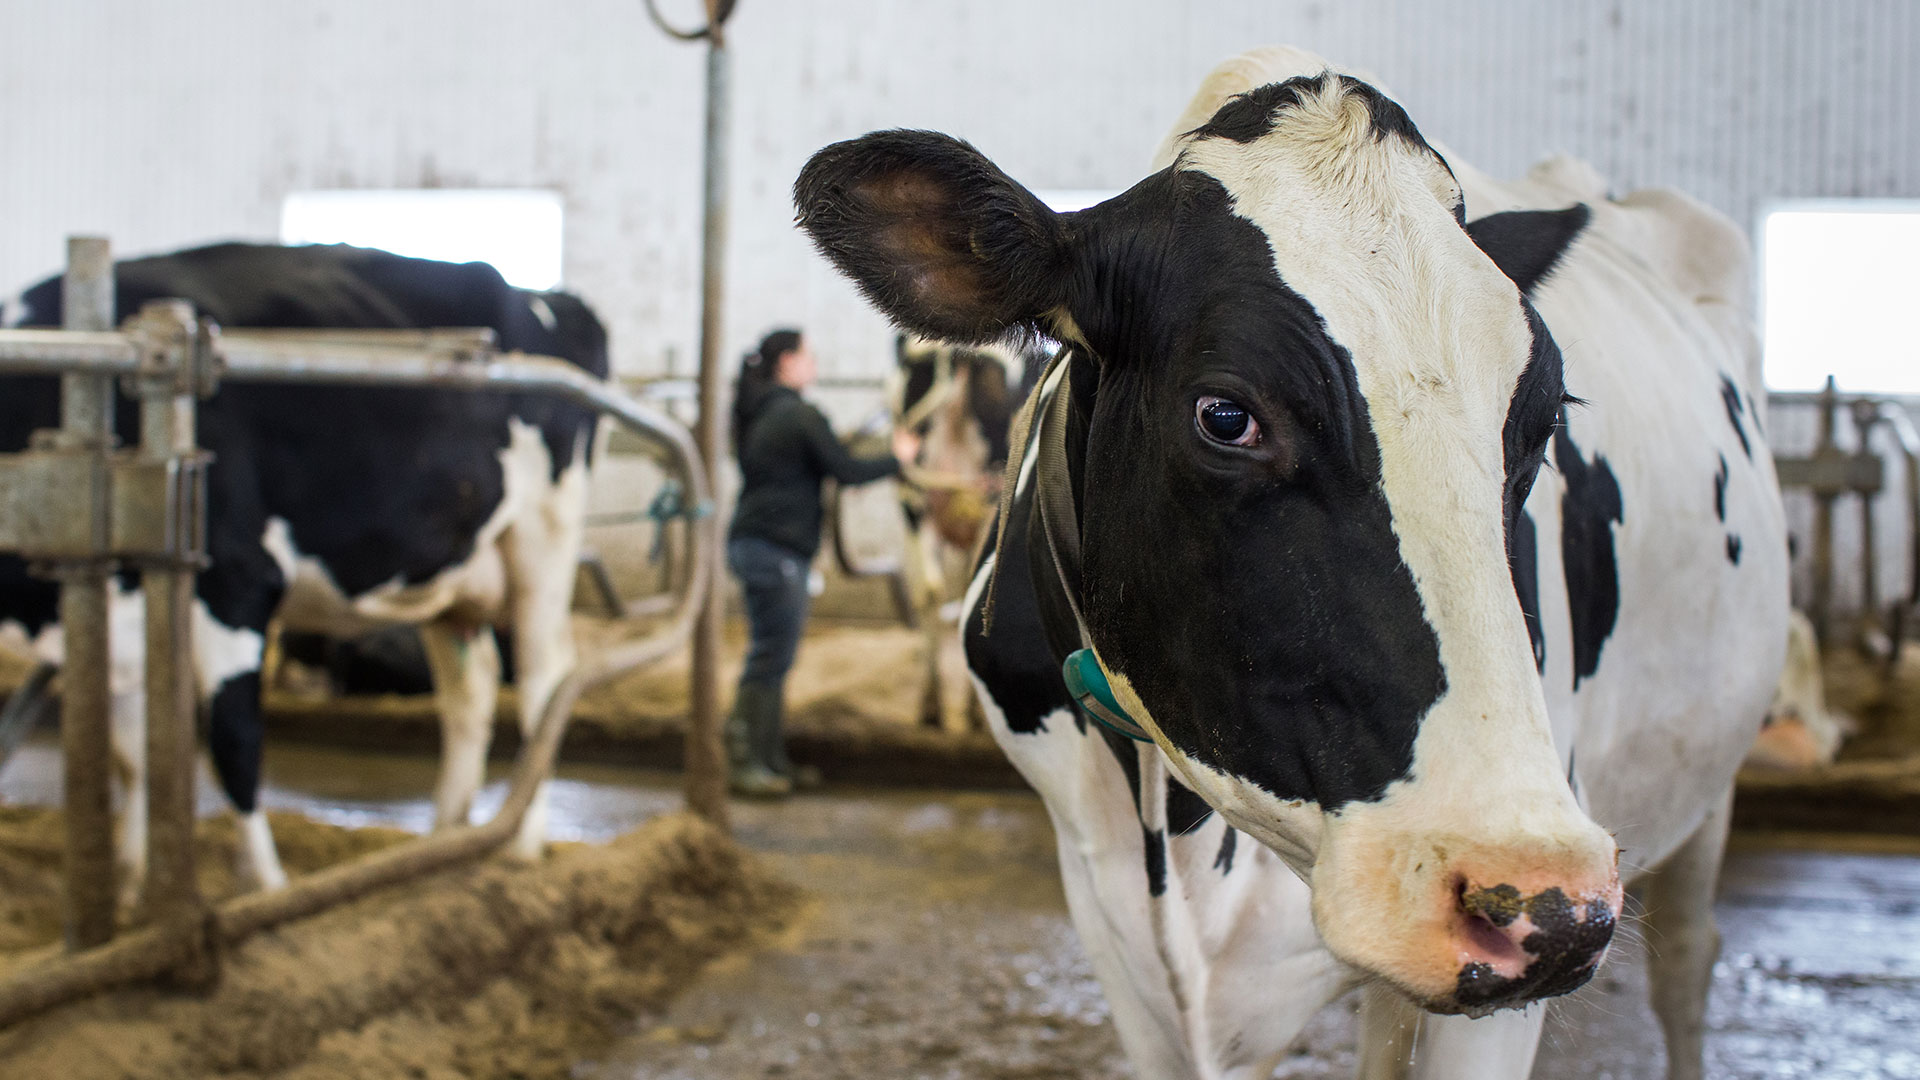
(1066,200)
(518,231)
(1841,289)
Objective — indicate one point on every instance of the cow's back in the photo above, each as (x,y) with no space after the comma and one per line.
(376,483)
(1660,538)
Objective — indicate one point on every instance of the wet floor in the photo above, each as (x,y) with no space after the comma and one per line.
(938,945)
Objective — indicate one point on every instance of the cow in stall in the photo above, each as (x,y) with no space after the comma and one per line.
(960,400)
(340,509)
(1325,681)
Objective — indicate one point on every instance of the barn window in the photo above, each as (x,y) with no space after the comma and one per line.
(1840,283)
(518,231)
(1067,200)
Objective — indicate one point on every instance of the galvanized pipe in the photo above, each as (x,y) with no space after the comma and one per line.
(63,352)
(86,698)
(1820,610)
(167,433)
(254,360)
(181,938)
(706,789)
(163,947)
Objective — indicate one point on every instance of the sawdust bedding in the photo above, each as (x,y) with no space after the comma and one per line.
(494,970)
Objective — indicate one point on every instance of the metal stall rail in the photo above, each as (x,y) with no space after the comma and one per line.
(77,508)
(1830,473)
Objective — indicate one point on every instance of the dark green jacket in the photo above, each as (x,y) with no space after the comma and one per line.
(785,452)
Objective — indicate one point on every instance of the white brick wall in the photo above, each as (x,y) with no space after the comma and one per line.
(168,125)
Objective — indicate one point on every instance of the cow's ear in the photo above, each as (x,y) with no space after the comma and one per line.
(1527,244)
(940,239)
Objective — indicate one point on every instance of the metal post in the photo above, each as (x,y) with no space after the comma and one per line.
(167,434)
(1821,607)
(706,757)
(86,422)
(1868,635)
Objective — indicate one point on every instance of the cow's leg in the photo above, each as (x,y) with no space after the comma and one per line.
(228,657)
(1683,941)
(1497,1047)
(930,590)
(543,547)
(464,660)
(1389,1024)
(933,635)
(128,645)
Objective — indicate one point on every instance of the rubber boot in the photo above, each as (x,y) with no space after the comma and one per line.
(755,710)
(800,776)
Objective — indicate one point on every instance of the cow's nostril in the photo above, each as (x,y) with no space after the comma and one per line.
(1499,905)
(1515,947)
(1489,944)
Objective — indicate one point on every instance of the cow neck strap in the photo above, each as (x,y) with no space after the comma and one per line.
(1060,525)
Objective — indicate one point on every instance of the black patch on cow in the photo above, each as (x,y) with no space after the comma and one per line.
(28,600)
(1537,408)
(1730,397)
(1223,861)
(377,484)
(233,739)
(1249,116)
(1017,664)
(1156,844)
(1528,244)
(1720,490)
(1186,811)
(1733,549)
(1588,511)
(1523,559)
(1310,683)
(1565,951)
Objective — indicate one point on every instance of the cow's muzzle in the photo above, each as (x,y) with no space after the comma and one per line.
(1514,947)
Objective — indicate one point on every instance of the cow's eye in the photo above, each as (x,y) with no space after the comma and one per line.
(1225,421)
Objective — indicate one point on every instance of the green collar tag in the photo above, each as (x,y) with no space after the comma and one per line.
(1087,682)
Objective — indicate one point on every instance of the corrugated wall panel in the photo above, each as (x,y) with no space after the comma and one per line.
(165,125)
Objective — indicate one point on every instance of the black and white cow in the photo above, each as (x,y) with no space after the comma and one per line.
(1283,507)
(961,401)
(341,509)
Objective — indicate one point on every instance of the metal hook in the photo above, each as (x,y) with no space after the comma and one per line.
(718,11)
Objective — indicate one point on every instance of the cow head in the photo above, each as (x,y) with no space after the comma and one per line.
(1306,410)
(960,401)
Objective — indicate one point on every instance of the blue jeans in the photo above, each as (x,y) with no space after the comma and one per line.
(775,579)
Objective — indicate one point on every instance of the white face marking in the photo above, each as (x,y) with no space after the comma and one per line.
(1362,228)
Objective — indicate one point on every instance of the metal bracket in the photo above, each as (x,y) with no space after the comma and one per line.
(178,354)
(67,506)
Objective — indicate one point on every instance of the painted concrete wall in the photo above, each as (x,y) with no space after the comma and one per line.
(167,125)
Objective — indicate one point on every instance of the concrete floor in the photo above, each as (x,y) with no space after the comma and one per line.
(939,946)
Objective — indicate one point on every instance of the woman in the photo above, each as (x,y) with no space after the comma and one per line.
(786,449)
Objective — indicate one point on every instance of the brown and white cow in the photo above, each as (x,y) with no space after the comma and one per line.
(1281,512)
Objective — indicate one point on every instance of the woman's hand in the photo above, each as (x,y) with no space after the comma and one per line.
(906,445)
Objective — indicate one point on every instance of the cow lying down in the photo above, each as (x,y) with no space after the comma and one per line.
(339,509)
(1355,692)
